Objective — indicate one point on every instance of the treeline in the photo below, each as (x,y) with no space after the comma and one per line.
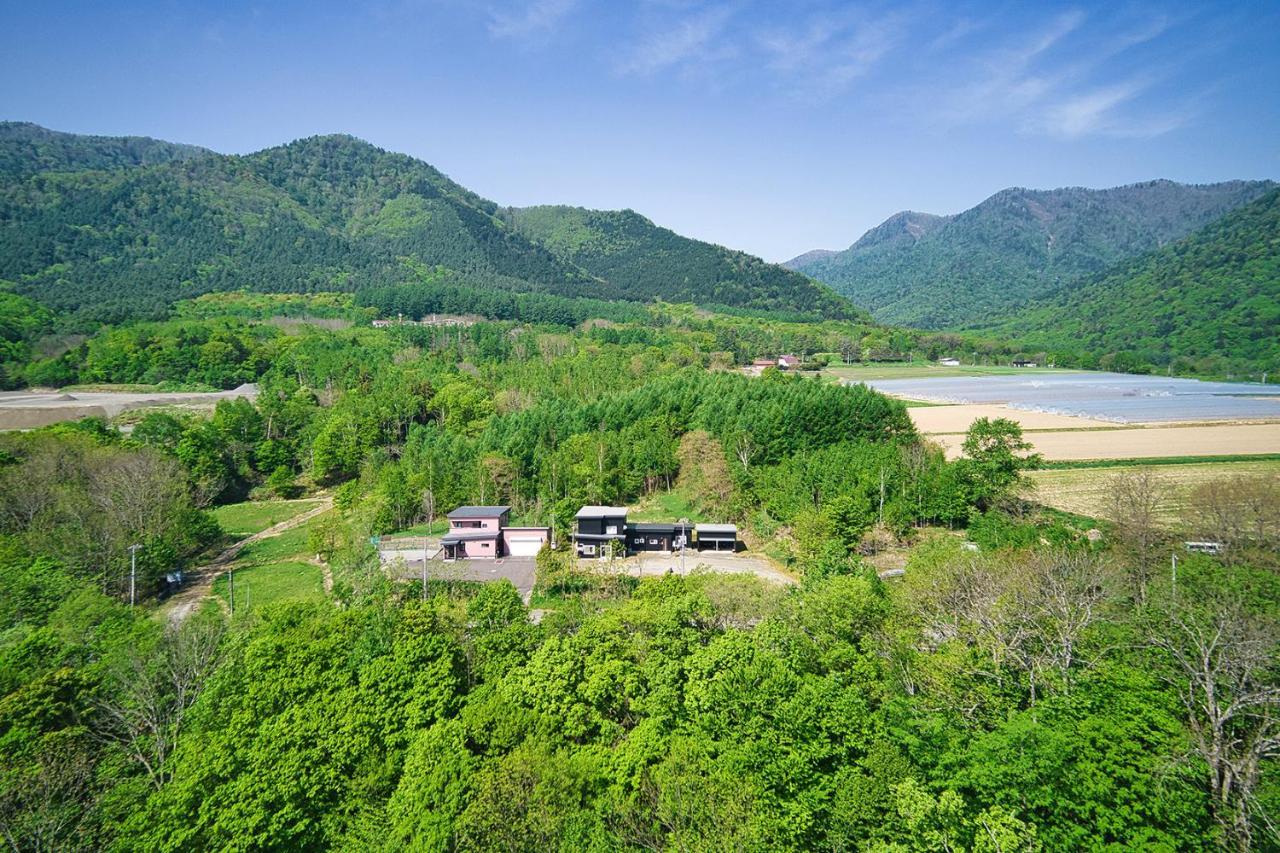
(445,292)
(646,262)
(77,498)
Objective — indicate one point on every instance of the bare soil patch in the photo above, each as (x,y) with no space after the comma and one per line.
(1148,442)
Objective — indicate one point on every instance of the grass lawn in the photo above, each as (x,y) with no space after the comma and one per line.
(290,545)
(245,519)
(666,506)
(270,583)
(275,569)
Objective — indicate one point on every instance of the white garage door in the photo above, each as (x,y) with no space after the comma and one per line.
(524,546)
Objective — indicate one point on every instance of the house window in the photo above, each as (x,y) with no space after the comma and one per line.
(612,530)
(589,550)
(653,541)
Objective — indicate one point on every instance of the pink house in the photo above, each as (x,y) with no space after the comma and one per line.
(788,362)
(482,532)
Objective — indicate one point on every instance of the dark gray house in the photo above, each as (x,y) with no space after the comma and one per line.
(596,527)
(658,536)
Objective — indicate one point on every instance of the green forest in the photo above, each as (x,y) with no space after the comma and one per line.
(1016,248)
(1033,680)
(1208,304)
(104,230)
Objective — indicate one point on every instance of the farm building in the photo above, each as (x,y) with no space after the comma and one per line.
(949,362)
(788,362)
(483,532)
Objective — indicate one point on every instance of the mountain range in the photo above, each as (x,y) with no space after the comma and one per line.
(1209,303)
(1014,249)
(106,229)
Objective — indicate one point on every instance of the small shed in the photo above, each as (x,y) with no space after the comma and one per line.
(716,537)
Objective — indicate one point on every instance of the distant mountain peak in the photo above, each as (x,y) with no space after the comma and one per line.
(331,212)
(1017,245)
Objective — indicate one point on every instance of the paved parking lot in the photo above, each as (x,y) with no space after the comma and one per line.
(654,563)
(518,570)
(407,565)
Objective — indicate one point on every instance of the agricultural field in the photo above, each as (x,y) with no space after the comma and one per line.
(1143,443)
(922,370)
(943,420)
(1085,491)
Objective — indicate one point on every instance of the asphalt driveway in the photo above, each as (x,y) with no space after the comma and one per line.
(518,570)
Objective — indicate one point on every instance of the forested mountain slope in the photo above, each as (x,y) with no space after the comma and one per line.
(639,257)
(26,149)
(105,230)
(1014,248)
(1212,299)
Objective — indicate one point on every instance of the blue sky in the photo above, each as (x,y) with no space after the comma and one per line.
(770,127)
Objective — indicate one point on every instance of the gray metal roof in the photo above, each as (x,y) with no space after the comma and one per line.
(717,529)
(601,511)
(468,536)
(478,511)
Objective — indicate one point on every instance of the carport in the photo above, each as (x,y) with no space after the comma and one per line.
(717,537)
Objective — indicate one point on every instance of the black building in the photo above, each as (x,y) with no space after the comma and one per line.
(658,536)
(597,527)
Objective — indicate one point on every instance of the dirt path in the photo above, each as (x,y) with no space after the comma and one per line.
(200,587)
(327,571)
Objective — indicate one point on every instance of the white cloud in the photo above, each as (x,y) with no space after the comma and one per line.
(825,55)
(691,39)
(1072,77)
(1088,112)
(1105,111)
(530,19)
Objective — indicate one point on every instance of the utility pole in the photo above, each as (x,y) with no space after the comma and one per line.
(424,566)
(882,497)
(1173,574)
(133,574)
(231,590)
